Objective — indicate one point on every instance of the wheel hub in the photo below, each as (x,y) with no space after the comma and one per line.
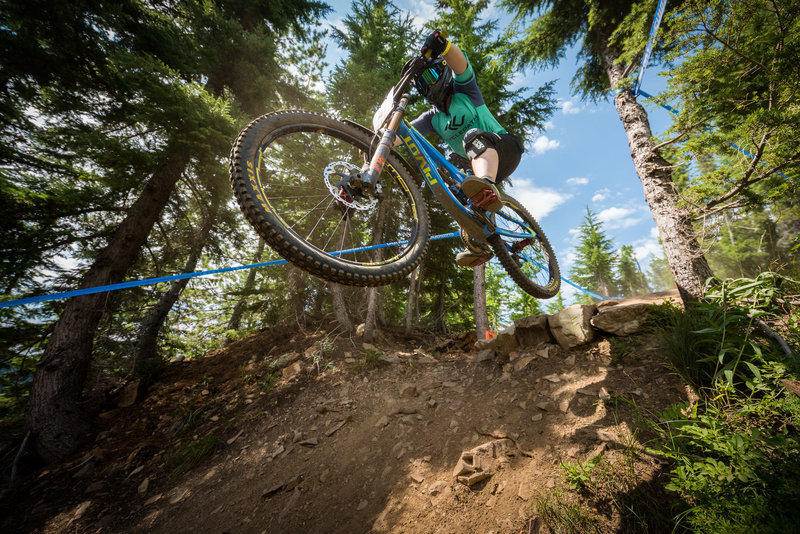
(338,176)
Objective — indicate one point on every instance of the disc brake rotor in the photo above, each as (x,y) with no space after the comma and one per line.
(333,174)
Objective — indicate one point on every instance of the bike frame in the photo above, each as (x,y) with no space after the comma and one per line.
(438,172)
(432,164)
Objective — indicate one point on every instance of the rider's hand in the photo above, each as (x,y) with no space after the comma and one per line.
(436,44)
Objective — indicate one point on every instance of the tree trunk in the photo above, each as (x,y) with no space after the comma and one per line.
(370,325)
(372,298)
(54,414)
(479,301)
(685,257)
(295,285)
(236,317)
(145,356)
(440,307)
(337,292)
(339,307)
(413,295)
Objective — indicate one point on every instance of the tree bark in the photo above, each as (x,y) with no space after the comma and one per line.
(479,301)
(54,415)
(413,295)
(685,257)
(146,351)
(236,317)
(440,305)
(337,293)
(295,285)
(370,324)
(340,308)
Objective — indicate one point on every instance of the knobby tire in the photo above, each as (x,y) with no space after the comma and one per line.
(275,175)
(543,277)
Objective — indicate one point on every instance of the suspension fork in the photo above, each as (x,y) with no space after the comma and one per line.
(372,171)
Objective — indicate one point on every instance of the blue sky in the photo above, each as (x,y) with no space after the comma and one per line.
(581,158)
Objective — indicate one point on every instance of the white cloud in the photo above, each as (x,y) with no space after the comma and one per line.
(421,11)
(647,247)
(618,218)
(577,181)
(548,125)
(540,201)
(569,107)
(568,260)
(542,144)
(601,195)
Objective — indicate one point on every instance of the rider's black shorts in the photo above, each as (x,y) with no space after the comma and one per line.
(508,146)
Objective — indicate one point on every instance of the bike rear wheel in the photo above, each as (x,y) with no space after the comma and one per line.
(526,256)
(286,170)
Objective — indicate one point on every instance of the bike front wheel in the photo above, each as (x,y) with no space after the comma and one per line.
(288,172)
(524,251)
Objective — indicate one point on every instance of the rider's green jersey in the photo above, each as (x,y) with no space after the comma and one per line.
(467,111)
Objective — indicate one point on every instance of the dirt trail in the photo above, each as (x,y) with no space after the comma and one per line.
(349,440)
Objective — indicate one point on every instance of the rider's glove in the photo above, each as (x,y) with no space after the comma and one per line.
(436,44)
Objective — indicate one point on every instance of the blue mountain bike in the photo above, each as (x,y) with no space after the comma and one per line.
(335,199)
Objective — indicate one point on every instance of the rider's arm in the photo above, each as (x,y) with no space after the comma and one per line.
(437,43)
(455,59)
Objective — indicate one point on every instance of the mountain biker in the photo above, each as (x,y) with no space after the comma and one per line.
(460,116)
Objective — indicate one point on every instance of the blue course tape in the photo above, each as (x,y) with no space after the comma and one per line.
(151,281)
(595,295)
(651,41)
(734,145)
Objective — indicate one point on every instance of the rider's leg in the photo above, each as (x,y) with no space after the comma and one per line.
(486,164)
(481,148)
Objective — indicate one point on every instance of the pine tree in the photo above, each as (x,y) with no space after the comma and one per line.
(378,39)
(595,258)
(632,280)
(734,79)
(612,36)
(660,275)
(132,98)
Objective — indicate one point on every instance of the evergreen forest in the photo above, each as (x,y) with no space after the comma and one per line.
(116,123)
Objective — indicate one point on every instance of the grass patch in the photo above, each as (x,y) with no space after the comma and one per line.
(189,455)
(371,360)
(562,514)
(269,381)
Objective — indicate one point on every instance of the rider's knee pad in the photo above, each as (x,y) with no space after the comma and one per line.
(477,141)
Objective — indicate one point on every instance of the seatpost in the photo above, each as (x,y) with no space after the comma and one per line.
(370,177)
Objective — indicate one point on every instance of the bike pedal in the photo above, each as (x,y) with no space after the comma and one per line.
(488,200)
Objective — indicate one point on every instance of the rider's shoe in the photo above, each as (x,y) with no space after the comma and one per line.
(483,192)
(468,258)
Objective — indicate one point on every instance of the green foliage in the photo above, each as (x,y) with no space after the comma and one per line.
(555,306)
(659,274)
(579,475)
(97,98)
(185,457)
(550,28)
(563,515)
(736,451)
(378,41)
(268,382)
(718,339)
(595,258)
(733,77)
(632,280)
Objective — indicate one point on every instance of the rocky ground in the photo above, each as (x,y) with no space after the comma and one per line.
(288,432)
